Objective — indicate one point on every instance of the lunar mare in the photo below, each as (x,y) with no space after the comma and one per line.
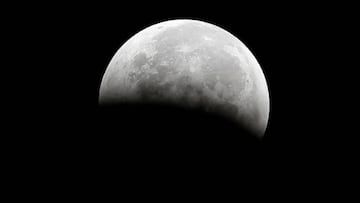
(193,64)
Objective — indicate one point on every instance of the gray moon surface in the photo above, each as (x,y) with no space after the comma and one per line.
(190,63)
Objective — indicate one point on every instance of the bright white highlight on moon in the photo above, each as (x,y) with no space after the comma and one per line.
(193,64)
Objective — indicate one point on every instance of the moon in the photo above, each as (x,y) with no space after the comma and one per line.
(193,64)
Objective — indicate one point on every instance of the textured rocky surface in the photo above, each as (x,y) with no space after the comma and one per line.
(192,64)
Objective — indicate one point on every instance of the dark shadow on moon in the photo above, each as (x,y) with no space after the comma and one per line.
(168,131)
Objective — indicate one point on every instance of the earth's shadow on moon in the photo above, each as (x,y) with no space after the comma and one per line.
(167,130)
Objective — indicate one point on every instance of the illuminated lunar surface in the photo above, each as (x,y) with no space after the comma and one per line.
(190,63)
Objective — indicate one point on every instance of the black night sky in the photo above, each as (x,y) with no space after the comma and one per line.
(145,151)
